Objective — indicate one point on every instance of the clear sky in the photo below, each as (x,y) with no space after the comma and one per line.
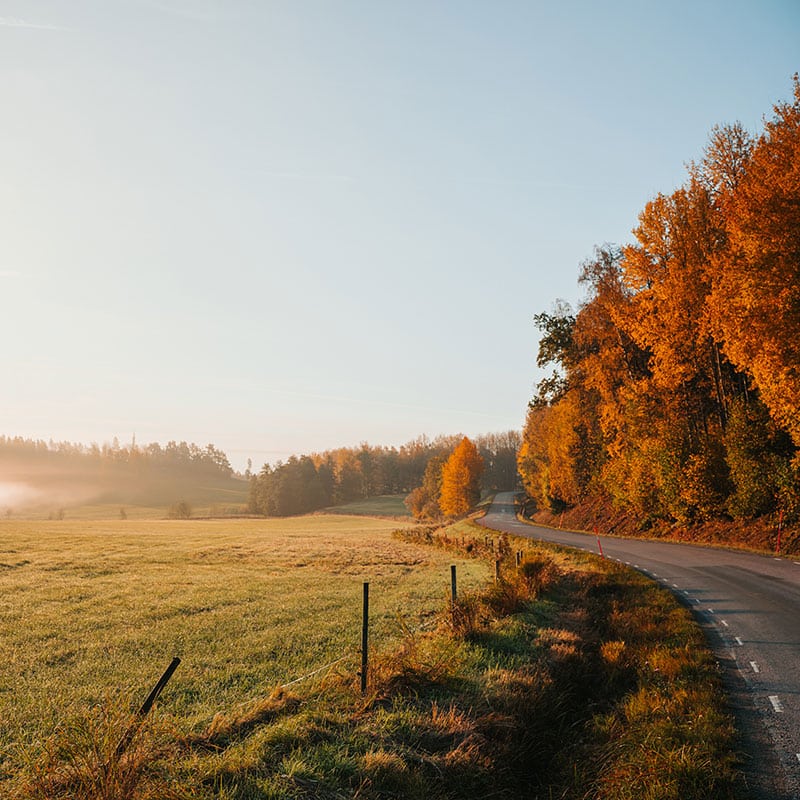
(289,226)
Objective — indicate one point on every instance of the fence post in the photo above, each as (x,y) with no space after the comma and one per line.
(145,709)
(497,571)
(364,637)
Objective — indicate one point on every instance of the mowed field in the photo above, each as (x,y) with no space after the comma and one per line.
(89,609)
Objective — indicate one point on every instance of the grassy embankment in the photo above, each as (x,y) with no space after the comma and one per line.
(571,678)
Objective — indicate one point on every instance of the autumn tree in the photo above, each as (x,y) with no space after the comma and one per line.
(461,475)
(423,502)
(756,294)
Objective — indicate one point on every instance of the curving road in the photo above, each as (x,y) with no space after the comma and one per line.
(749,607)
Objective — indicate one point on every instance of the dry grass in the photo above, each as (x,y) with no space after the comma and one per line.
(571,678)
(248,604)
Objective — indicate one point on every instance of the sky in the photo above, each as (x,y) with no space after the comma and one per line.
(285,227)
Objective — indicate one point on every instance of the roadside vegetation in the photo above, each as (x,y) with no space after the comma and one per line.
(572,677)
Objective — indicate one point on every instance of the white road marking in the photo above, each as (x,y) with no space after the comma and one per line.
(674,585)
(710,610)
(724,623)
(739,642)
(776,703)
(755,666)
(798,756)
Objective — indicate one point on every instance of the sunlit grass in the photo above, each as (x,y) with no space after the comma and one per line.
(573,677)
(387,505)
(89,607)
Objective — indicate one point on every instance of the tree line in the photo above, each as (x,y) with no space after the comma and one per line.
(149,473)
(311,482)
(674,389)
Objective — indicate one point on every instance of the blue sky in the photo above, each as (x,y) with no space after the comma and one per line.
(289,226)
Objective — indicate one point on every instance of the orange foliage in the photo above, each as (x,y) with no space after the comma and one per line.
(756,297)
(461,475)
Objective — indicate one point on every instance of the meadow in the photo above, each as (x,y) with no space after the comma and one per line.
(570,677)
(89,608)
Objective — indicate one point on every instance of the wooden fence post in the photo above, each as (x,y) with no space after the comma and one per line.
(497,571)
(145,709)
(364,637)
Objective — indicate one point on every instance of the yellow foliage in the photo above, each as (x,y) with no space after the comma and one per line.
(461,476)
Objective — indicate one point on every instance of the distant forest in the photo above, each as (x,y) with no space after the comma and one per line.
(310,482)
(63,473)
(675,388)
(143,474)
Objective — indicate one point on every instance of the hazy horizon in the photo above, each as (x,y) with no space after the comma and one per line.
(289,227)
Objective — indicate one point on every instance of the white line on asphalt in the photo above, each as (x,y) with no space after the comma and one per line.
(674,585)
(724,623)
(755,666)
(710,610)
(739,642)
(776,703)
(798,756)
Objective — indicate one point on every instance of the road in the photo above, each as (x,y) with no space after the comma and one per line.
(749,608)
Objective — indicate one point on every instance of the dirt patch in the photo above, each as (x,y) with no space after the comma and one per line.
(758,534)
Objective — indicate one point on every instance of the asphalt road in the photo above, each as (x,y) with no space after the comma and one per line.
(749,608)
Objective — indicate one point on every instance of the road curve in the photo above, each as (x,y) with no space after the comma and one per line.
(749,607)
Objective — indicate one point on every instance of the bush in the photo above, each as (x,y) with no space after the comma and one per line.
(181,510)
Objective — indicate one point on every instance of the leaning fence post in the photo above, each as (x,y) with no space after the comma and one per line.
(364,637)
(145,709)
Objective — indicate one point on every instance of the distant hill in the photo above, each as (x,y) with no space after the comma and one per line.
(35,474)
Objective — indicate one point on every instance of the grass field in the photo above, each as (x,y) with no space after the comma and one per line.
(87,608)
(386,505)
(572,677)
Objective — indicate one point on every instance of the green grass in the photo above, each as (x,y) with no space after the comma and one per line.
(387,505)
(572,678)
(88,503)
(87,607)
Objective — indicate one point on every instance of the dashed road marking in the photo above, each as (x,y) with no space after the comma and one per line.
(776,703)
(674,585)
(725,623)
(710,610)
(739,642)
(755,666)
